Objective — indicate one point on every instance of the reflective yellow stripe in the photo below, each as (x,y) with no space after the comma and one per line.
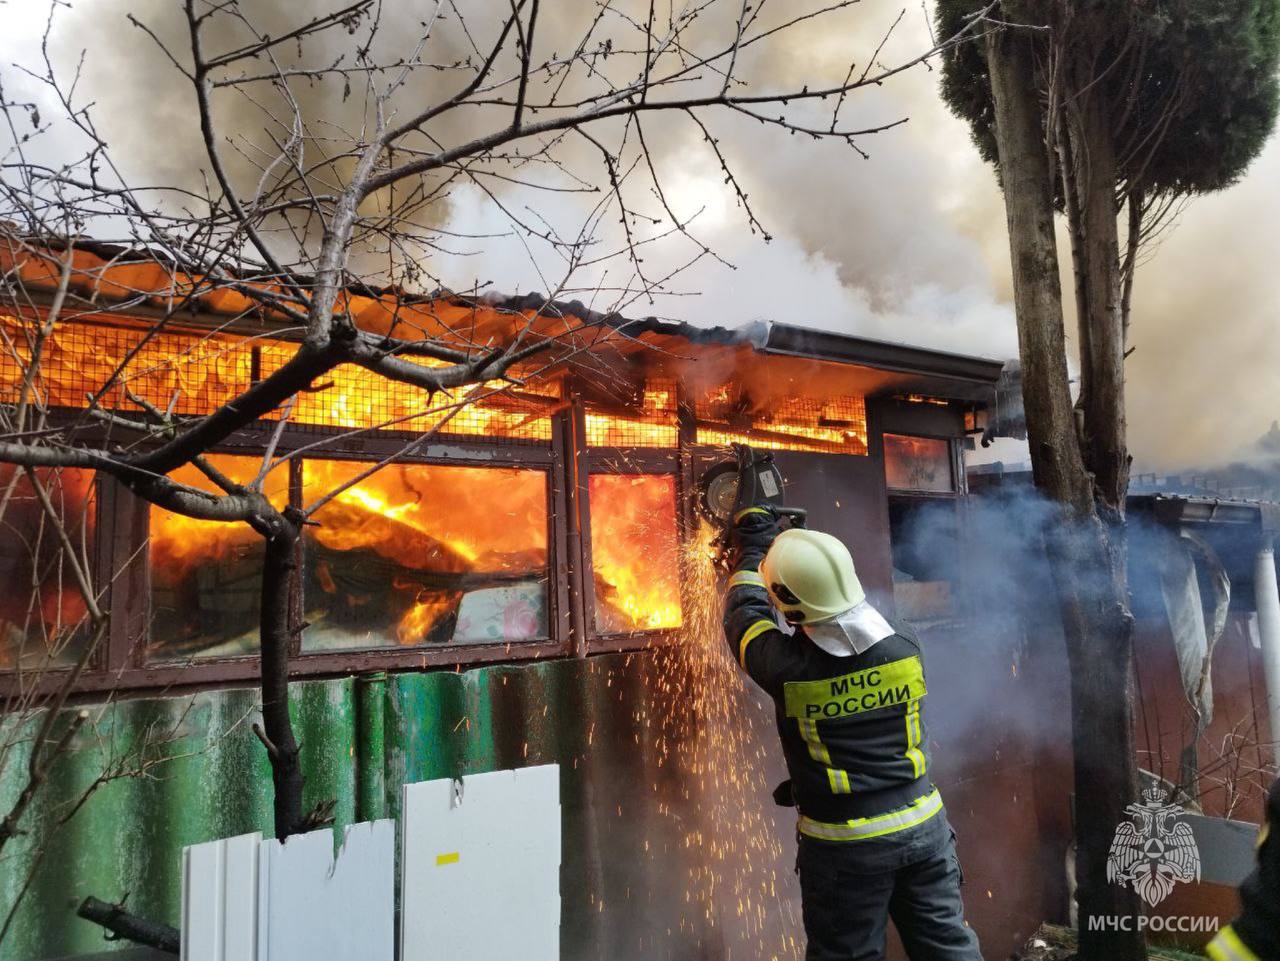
(817,750)
(748,510)
(839,781)
(745,579)
(1263,833)
(750,634)
(836,778)
(1227,946)
(914,754)
(860,829)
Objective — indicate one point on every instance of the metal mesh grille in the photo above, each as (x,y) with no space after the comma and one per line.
(352,397)
(654,427)
(834,425)
(193,374)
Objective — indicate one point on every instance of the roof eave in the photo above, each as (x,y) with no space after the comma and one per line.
(901,358)
(1195,509)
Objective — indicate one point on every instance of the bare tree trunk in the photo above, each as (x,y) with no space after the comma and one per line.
(1037,292)
(1102,659)
(1082,553)
(1093,171)
(1098,630)
(1135,208)
(276,637)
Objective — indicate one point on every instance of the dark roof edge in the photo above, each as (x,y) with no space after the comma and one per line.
(1192,508)
(768,337)
(886,355)
(753,334)
(1166,507)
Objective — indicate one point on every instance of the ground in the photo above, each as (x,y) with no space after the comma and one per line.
(1055,943)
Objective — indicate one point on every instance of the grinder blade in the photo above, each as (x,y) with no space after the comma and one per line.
(719,491)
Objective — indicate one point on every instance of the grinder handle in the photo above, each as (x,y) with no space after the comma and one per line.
(797,516)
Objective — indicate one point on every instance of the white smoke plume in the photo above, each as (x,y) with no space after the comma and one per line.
(908,245)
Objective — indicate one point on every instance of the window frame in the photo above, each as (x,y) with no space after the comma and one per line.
(20,678)
(954,462)
(627,462)
(120,664)
(956,496)
(459,652)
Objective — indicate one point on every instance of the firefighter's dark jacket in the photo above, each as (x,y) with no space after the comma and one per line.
(852,728)
(1255,935)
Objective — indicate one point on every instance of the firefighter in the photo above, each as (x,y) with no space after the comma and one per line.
(1255,935)
(848,688)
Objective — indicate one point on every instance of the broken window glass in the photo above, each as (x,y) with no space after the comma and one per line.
(924,535)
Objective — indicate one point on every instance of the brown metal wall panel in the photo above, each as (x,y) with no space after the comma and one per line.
(999,733)
(1232,783)
(928,420)
(845,496)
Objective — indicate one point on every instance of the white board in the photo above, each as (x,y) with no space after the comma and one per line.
(220,899)
(312,906)
(480,867)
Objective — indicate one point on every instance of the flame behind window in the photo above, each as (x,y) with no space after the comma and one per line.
(654,423)
(835,425)
(635,551)
(194,373)
(419,553)
(206,576)
(42,611)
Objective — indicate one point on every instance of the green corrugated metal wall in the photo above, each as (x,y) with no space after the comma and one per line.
(626,813)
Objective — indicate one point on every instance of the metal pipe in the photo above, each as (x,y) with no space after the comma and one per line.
(1268,604)
(371,746)
(581,590)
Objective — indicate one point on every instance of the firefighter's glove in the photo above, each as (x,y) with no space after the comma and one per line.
(751,536)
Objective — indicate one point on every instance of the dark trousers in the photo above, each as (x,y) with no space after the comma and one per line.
(846,906)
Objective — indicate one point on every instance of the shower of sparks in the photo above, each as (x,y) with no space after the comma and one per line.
(734,851)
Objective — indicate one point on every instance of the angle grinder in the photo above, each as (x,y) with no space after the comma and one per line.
(751,478)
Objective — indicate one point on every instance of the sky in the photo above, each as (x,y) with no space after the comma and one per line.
(906,245)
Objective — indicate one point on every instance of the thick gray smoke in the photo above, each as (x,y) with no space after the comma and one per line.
(908,245)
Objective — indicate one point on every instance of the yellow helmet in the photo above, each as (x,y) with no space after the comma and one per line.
(810,577)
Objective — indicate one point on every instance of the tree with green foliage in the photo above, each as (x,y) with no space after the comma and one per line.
(1094,109)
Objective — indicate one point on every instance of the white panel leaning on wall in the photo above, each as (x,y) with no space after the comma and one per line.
(480,872)
(480,878)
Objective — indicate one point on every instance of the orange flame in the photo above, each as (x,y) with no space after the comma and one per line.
(420,518)
(434,519)
(180,543)
(422,617)
(42,605)
(635,551)
(654,423)
(194,373)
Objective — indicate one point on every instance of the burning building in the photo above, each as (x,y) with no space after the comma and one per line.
(514,578)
